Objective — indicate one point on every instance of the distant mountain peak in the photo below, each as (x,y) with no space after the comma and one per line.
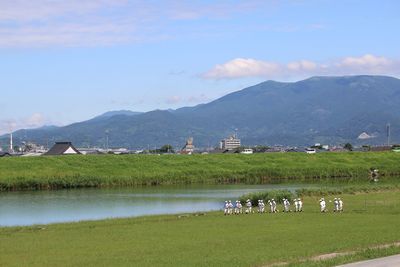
(322,109)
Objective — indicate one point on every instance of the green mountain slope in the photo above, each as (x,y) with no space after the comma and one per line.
(319,109)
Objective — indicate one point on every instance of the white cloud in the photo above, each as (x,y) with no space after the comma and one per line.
(248,67)
(243,67)
(33,121)
(191,10)
(303,65)
(42,10)
(7,126)
(32,23)
(367,62)
(173,99)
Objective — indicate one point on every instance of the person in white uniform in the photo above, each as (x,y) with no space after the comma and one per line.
(248,206)
(300,204)
(322,205)
(340,205)
(271,209)
(274,210)
(335,205)
(226,206)
(286,205)
(296,205)
(230,207)
(236,211)
(262,206)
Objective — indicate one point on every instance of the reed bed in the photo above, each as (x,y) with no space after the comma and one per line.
(56,172)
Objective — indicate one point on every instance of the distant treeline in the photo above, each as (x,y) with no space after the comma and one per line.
(57,172)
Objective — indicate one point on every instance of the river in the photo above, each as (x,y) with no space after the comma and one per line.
(44,207)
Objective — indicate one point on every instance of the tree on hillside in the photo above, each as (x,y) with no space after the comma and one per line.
(348,146)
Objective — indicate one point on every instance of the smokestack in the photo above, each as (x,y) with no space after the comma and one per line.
(11,142)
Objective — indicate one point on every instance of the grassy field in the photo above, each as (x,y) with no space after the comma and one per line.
(127,170)
(210,239)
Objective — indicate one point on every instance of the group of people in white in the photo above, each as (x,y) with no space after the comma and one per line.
(337,205)
(237,208)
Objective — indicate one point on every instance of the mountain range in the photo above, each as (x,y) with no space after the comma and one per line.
(328,110)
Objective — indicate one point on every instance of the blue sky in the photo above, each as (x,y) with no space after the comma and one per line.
(67,61)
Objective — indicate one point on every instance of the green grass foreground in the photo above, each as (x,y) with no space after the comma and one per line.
(211,239)
(18,173)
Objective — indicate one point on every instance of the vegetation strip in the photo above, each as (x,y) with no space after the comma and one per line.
(35,173)
(279,195)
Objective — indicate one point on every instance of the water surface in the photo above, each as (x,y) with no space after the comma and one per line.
(43,207)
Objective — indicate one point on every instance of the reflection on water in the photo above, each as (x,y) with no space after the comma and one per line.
(42,207)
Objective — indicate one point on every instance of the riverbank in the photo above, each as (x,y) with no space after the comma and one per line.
(208,239)
(35,173)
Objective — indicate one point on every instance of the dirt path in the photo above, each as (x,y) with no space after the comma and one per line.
(381,262)
(338,254)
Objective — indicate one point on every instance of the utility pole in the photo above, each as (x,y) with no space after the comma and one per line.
(388,133)
(106,132)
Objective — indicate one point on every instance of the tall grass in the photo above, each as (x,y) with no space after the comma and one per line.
(279,195)
(346,190)
(18,173)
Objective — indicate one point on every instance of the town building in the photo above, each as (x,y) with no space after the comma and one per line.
(230,143)
(189,147)
(62,148)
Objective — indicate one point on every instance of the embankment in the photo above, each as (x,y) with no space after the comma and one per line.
(34,173)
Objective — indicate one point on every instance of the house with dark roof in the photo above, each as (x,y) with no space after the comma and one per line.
(4,154)
(62,148)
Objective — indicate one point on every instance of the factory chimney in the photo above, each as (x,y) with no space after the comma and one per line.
(11,142)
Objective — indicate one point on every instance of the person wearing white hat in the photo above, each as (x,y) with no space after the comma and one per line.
(322,205)
(262,206)
(336,205)
(271,209)
(340,205)
(230,207)
(300,204)
(226,207)
(286,205)
(296,205)
(248,206)
(236,210)
(274,210)
(240,206)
